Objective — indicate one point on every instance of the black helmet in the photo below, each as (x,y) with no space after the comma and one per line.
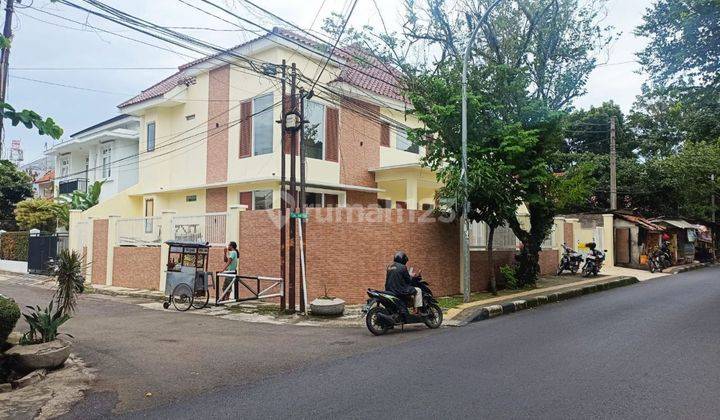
(400,257)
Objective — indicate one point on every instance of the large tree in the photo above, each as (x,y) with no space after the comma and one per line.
(15,186)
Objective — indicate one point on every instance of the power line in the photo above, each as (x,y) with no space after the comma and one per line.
(330,54)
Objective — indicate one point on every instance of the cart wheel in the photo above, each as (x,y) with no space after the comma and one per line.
(201,299)
(166,305)
(182,297)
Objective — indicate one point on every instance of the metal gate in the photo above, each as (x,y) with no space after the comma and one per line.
(43,249)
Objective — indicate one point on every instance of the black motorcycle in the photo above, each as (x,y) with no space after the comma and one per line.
(570,261)
(593,262)
(383,311)
(659,260)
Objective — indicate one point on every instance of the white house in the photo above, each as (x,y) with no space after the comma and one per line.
(105,151)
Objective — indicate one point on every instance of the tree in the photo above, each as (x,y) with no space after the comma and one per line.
(15,186)
(680,101)
(31,119)
(78,200)
(588,131)
(36,213)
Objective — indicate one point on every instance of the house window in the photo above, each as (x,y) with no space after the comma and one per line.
(313,199)
(151,137)
(106,161)
(190,198)
(263,125)
(262,199)
(64,167)
(314,130)
(384,204)
(427,207)
(149,212)
(403,143)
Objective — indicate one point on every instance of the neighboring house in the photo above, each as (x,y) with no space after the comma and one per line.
(106,151)
(635,236)
(206,143)
(44,186)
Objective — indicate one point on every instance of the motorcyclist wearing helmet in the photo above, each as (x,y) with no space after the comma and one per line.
(398,281)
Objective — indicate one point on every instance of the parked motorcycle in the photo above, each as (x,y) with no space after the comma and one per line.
(570,261)
(383,311)
(593,261)
(659,260)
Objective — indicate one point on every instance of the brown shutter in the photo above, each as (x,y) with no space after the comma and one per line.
(331,134)
(246,199)
(385,134)
(245,128)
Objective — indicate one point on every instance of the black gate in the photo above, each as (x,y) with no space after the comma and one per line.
(43,249)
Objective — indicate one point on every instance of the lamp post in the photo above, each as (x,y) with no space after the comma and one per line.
(465,228)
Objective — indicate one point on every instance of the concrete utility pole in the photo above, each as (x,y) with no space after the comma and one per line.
(464,226)
(293,193)
(613,165)
(4,63)
(283,203)
(712,198)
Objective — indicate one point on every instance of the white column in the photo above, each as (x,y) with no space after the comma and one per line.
(411,193)
(89,246)
(232,224)
(166,234)
(112,241)
(609,239)
(73,231)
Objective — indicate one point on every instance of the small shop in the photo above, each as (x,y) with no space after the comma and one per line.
(635,237)
(704,244)
(683,238)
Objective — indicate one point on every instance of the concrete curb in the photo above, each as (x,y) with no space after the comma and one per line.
(142,294)
(482,313)
(682,269)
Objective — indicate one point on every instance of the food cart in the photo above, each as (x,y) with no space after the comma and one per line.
(187,280)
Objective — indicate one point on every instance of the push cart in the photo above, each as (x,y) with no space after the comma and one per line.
(187,281)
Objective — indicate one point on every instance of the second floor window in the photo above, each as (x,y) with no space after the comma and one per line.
(263,199)
(262,124)
(403,143)
(151,137)
(314,130)
(64,167)
(106,162)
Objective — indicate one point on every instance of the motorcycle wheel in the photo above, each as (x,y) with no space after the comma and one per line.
(560,269)
(435,317)
(574,269)
(652,266)
(586,271)
(372,322)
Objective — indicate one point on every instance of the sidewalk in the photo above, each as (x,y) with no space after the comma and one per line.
(490,308)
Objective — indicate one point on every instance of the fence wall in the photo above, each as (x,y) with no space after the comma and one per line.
(99,251)
(136,267)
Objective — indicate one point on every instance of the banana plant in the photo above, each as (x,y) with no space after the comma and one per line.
(78,200)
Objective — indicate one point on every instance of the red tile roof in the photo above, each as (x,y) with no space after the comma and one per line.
(49,176)
(361,70)
(642,222)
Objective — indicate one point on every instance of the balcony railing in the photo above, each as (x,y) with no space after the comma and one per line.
(67,186)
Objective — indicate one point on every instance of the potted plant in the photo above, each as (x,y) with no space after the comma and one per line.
(40,347)
(327,305)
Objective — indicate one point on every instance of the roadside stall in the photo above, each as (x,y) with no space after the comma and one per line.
(187,280)
(704,247)
(635,237)
(683,238)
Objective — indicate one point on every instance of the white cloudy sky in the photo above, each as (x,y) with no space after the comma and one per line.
(50,49)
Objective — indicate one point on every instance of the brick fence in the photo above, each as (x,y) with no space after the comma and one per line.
(136,267)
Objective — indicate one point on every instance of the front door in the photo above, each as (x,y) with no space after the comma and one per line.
(622,245)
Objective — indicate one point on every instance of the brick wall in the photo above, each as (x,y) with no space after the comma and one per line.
(479,273)
(216,200)
(354,198)
(568,234)
(359,144)
(136,267)
(99,254)
(217,126)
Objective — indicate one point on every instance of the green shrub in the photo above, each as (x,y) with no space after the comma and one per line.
(509,273)
(9,315)
(14,246)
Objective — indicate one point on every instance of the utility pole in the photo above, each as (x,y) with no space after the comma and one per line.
(712,198)
(302,203)
(613,165)
(464,225)
(283,203)
(293,192)
(5,62)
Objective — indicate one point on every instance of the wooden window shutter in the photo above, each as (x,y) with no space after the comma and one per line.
(331,200)
(246,128)
(246,199)
(331,134)
(385,134)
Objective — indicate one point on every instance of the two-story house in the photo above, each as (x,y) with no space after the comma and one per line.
(106,151)
(209,136)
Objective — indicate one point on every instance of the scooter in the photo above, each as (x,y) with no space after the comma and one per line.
(570,261)
(659,260)
(593,262)
(384,311)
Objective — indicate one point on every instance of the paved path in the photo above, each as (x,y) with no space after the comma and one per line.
(175,356)
(644,351)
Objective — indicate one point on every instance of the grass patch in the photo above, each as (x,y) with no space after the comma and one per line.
(448,302)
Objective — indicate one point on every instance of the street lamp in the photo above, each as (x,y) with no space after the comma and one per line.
(465,228)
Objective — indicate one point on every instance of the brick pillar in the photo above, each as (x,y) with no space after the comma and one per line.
(166,234)
(112,241)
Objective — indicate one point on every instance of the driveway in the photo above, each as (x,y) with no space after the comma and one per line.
(174,356)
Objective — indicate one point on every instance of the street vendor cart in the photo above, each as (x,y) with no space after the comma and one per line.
(187,279)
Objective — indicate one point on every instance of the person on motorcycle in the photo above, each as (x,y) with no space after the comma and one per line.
(398,281)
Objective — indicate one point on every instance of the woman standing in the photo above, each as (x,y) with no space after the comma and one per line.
(231,258)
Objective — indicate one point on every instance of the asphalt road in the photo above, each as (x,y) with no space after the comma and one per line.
(176,356)
(649,350)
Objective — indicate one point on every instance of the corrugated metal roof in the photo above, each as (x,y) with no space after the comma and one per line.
(678,223)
